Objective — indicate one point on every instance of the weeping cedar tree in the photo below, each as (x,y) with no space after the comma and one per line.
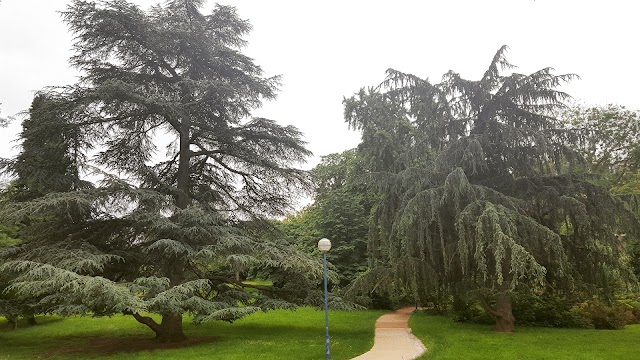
(479,195)
(167,238)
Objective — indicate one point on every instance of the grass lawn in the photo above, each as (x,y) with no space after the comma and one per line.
(277,334)
(446,339)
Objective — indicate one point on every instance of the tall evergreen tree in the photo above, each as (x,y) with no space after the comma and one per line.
(485,202)
(47,162)
(50,157)
(152,238)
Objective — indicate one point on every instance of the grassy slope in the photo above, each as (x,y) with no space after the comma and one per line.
(274,335)
(445,339)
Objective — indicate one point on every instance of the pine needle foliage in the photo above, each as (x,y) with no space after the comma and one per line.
(51,154)
(164,237)
(480,193)
(49,161)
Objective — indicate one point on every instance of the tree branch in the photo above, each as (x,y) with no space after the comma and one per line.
(152,324)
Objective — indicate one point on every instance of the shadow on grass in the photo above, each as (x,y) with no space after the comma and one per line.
(277,335)
(23,324)
(97,346)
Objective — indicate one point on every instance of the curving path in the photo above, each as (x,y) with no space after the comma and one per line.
(394,340)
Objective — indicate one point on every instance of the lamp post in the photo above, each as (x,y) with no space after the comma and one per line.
(324,245)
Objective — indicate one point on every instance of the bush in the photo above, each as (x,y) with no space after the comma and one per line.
(557,310)
(464,310)
(631,303)
(548,310)
(600,315)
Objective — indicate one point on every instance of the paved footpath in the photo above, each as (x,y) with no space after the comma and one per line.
(394,340)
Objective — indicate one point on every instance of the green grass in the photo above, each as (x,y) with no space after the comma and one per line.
(259,282)
(446,339)
(277,334)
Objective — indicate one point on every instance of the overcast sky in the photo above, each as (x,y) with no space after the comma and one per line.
(326,50)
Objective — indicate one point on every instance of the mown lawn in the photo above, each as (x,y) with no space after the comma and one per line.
(446,339)
(275,335)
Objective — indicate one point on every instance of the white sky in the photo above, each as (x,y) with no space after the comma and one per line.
(329,49)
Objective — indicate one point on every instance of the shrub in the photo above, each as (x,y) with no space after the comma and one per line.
(547,310)
(557,310)
(631,302)
(603,316)
(464,310)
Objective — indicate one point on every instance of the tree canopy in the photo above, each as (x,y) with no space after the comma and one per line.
(341,210)
(480,196)
(608,140)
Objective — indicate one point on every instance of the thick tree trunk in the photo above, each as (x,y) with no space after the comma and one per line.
(169,330)
(31,320)
(505,321)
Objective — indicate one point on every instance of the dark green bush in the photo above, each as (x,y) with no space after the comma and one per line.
(632,303)
(466,310)
(556,310)
(548,310)
(601,315)
(390,301)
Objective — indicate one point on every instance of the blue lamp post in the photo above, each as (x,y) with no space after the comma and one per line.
(324,245)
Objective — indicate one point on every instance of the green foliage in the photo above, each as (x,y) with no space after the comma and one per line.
(609,142)
(301,227)
(480,194)
(49,161)
(602,316)
(50,156)
(161,237)
(468,310)
(630,304)
(548,310)
(609,138)
(205,238)
(343,205)
(560,310)
(10,307)
(340,211)
(8,235)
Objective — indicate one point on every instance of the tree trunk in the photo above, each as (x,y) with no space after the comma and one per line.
(182,200)
(31,320)
(169,330)
(12,323)
(505,321)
